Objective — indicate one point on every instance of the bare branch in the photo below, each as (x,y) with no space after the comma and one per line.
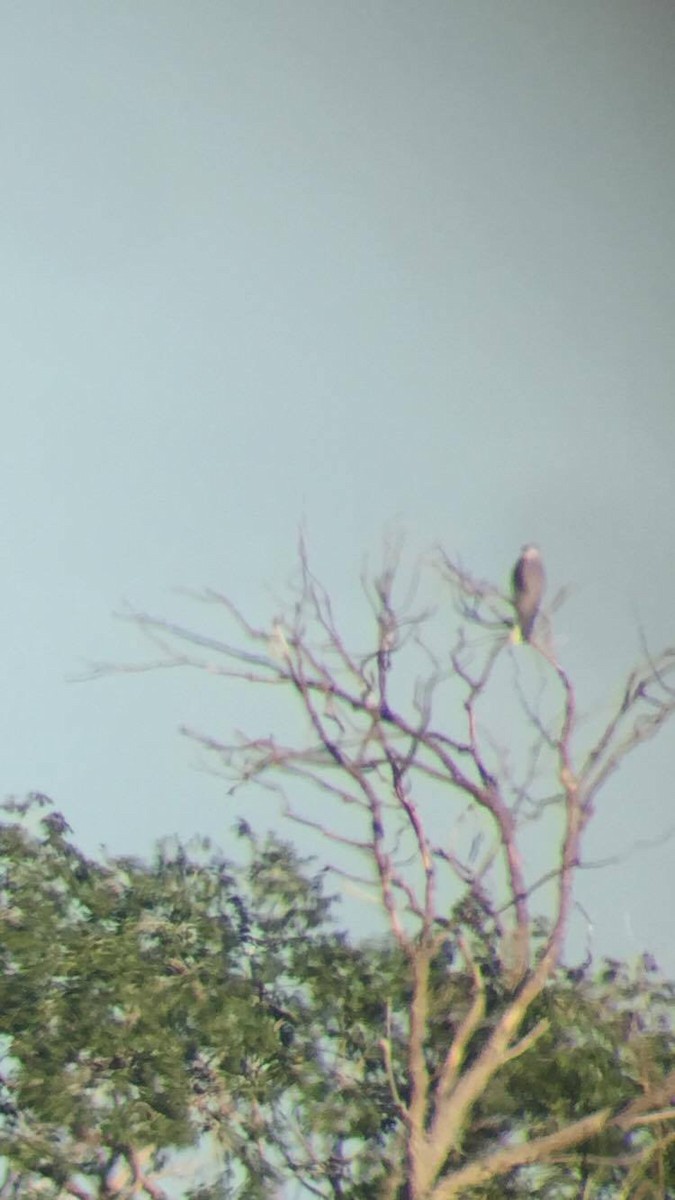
(439,825)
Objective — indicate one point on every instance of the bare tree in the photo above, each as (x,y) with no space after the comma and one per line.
(407,778)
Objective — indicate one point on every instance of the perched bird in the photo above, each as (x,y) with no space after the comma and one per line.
(529,580)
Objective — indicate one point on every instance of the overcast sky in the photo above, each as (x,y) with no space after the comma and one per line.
(340,263)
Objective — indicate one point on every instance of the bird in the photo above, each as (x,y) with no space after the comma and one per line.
(528,580)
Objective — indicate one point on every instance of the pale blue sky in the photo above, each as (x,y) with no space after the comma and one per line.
(340,262)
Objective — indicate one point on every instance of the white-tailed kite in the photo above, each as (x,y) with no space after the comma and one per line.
(529,580)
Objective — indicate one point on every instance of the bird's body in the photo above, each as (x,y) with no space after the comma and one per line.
(529,580)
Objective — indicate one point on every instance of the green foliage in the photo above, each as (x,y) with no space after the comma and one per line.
(186,1002)
(139,1000)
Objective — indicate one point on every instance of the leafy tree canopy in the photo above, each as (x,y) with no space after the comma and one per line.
(188,1003)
